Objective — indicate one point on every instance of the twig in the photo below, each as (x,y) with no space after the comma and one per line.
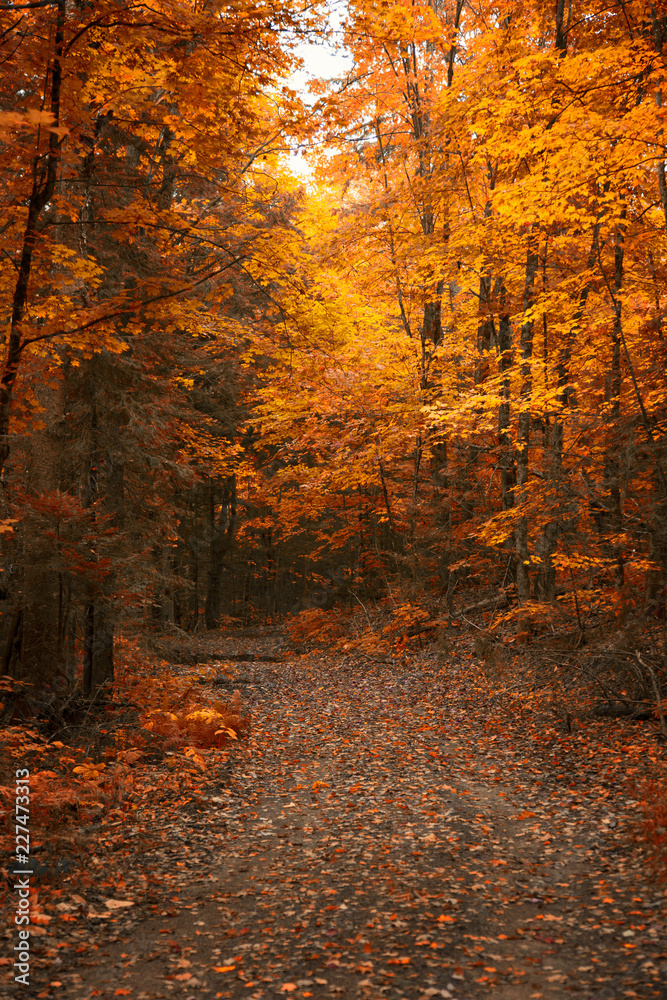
(609,696)
(468,622)
(576,604)
(370,624)
(495,607)
(658,693)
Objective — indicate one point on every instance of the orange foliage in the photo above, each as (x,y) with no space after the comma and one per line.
(213,725)
(652,796)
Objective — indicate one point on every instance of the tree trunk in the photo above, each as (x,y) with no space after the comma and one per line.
(98,648)
(612,463)
(523,437)
(562,24)
(221,536)
(98,623)
(506,457)
(43,186)
(42,652)
(485,328)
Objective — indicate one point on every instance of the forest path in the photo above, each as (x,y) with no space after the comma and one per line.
(375,838)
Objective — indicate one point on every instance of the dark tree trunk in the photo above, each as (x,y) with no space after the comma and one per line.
(98,646)
(612,463)
(506,457)
(98,625)
(562,24)
(43,187)
(221,526)
(523,437)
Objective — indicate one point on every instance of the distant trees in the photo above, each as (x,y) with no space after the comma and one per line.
(498,205)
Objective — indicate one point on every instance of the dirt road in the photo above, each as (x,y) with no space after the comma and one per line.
(376,837)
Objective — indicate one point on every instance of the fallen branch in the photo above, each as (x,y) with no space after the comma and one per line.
(490,604)
(246,658)
(622,711)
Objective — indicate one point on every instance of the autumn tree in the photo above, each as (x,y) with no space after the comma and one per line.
(511,159)
(129,136)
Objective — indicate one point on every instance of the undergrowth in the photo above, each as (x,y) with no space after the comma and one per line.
(652,828)
(390,626)
(95,768)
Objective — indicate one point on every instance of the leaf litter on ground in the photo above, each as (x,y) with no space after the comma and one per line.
(389,829)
